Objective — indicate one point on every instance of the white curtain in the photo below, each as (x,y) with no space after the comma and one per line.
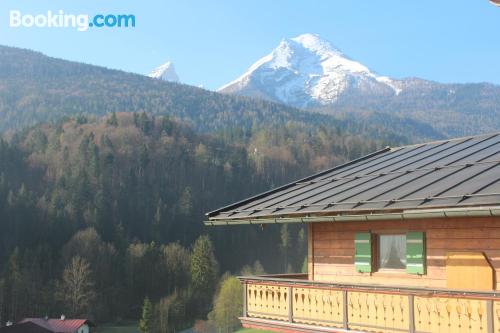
(392,251)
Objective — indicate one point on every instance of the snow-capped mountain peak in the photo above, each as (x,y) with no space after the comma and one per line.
(315,43)
(165,72)
(308,71)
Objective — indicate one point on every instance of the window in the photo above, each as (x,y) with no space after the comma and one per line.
(392,251)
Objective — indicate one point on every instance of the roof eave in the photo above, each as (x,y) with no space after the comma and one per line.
(480,211)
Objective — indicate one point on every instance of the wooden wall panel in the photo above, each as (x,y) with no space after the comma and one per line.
(468,270)
(332,248)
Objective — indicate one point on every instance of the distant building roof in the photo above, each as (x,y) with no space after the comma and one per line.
(456,173)
(27,327)
(58,325)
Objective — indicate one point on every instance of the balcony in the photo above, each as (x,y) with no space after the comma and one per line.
(291,303)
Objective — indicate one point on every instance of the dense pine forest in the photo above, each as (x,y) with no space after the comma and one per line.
(118,202)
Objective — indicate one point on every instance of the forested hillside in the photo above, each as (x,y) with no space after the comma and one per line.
(123,197)
(34,88)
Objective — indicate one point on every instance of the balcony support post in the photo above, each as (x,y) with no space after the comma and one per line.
(245,299)
(411,310)
(489,316)
(290,304)
(345,318)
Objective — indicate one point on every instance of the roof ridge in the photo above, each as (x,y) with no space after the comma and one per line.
(492,134)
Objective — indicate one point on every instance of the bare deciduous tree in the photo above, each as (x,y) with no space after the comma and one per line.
(76,289)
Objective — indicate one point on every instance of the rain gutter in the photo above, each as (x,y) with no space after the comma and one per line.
(491,211)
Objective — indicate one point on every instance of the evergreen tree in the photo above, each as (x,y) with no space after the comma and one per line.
(203,271)
(258,269)
(147,314)
(13,286)
(185,204)
(113,120)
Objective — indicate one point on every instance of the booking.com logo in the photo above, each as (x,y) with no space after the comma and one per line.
(59,19)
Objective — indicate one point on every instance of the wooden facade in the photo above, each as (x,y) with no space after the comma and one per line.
(335,297)
(331,250)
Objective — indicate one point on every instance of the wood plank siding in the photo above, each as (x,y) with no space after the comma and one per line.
(332,249)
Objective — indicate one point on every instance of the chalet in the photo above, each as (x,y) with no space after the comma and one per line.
(41,325)
(405,239)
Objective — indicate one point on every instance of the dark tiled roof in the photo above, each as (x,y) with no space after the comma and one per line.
(453,173)
(24,328)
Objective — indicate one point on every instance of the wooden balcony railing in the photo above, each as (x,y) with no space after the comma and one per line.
(292,299)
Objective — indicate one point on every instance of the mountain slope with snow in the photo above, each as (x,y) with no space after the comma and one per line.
(307,71)
(310,73)
(165,72)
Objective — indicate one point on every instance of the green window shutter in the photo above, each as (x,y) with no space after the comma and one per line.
(363,252)
(415,253)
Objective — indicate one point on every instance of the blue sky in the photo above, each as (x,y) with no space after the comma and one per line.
(213,42)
